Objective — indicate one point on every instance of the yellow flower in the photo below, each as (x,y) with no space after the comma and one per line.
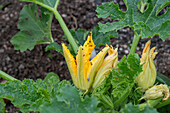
(157,92)
(88,73)
(147,78)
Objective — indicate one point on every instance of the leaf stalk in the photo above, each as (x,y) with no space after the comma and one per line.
(6,76)
(62,24)
(56,5)
(134,43)
(66,31)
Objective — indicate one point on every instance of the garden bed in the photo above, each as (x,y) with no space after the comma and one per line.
(76,14)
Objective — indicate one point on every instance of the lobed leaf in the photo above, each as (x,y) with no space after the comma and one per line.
(54,46)
(79,35)
(50,3)
(129,108)
(29,95)
(124,78)
(64,104)
(148,23)
(33,28)
(99,38)
(102,93)
(116,88)
(2,106)
(47,96)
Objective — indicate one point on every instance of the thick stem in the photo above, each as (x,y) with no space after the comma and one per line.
(134,43)
(6,76)
(66,31)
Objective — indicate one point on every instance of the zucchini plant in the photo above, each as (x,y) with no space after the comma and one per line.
(101,83)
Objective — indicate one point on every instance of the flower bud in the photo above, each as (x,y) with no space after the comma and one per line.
(157,92)
(147,78)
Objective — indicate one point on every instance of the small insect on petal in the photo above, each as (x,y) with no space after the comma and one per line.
(88,79)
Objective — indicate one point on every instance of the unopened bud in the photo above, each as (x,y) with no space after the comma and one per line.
(147,77)
(157,92)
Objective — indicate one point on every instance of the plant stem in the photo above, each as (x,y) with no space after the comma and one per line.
(50,21)
(62,24)
(163,103)
(56,5)
(134,43)
(66,31)
(6,76)
(44,5)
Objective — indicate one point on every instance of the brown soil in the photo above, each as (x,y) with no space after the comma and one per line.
(77,14)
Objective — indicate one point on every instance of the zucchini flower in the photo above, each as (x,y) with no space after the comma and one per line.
(109,62)
(86,72)
(147,78)
(157,92)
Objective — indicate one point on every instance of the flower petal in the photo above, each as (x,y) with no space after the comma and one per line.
(152,53)
(80,58)
(95,63)
(147,78)
(71,63)
(109,62)
(88,47)
(147,47)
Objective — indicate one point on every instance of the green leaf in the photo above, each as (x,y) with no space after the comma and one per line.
(54,46)
(1,6)
(49,78)
(163,79)
(103,95)
(124,78)
(142,4)
(99,38)
(163,103)
(79,35)
(148,109)
(29,95)
(115,89)
(2,106)
(135,95)
(69,101)
(164,109)
(129,108)
(50,3)
(21,94)
(147,22)
(33,28)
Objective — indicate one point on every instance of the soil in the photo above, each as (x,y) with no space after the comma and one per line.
(76,14)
